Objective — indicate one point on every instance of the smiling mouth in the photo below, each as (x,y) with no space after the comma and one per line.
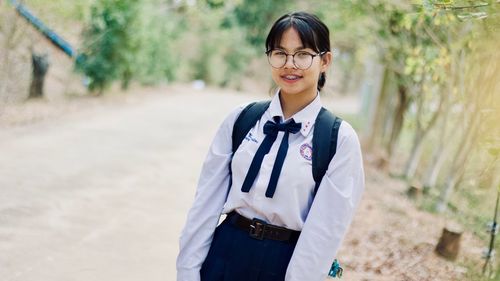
(291,77)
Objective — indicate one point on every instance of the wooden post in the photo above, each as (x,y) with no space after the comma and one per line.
(449,243)
(414,191)
(40,67)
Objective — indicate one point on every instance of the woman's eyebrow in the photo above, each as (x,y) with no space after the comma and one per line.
(296,49)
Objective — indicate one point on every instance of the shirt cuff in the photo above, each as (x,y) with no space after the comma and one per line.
(188,275)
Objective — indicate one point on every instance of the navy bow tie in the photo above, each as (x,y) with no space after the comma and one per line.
(271,130)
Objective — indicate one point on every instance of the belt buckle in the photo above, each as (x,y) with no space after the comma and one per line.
(257,229)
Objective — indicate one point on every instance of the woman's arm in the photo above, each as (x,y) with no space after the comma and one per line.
(210,197)
(331,212)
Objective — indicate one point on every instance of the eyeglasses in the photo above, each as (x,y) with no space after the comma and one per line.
(301,59)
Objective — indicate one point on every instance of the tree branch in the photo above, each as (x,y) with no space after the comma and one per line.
(448,7)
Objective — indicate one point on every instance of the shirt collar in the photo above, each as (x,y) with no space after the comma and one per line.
(306,116)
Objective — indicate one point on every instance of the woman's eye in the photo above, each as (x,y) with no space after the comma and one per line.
(303,54)
(279,53)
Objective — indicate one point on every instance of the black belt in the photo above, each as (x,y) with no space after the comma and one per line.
(259,229)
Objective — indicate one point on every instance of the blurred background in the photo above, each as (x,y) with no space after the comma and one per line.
(419,81)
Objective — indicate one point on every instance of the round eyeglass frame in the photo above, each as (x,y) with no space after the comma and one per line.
(268,53)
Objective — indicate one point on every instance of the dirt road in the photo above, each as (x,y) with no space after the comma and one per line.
(102,194)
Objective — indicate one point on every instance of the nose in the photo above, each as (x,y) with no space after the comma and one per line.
(289,62)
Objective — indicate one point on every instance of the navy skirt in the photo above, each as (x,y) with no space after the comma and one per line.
(235,256)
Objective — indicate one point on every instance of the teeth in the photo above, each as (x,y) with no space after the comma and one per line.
(291,77)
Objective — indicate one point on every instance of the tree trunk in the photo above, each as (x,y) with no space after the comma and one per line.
(375,128)
(347,73)
(12,37)
(126,78)
(451,182)
(416,153)
(418,140)
(398,119)
(459,161)
(4,72)
(437,161)
(40,67)
(440,152)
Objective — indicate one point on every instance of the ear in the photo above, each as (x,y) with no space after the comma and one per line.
(326,60)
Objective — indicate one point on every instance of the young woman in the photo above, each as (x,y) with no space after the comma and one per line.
(277,227)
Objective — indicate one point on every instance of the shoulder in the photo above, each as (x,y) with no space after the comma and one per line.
(234,114)
(237,110)
(347,136)
(225,131)
(253,110)
(346,130)
(348,159)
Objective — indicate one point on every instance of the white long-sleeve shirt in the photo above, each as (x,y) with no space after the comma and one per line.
(323,221)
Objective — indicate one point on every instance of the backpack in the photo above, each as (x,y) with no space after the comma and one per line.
(324,141)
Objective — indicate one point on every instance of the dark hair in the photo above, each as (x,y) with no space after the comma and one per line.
(312,31)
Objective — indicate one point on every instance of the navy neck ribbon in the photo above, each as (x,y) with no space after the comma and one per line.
(271,130)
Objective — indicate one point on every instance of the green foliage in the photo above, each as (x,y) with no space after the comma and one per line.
(157,57)
(442,51)
(146,40)
(215,3)
(221,63)
(256,16)
(110,45)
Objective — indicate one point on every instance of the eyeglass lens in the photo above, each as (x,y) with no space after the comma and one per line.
(301,60)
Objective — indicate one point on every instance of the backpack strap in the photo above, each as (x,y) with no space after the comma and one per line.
(246,120)
(243,124)
(326,131)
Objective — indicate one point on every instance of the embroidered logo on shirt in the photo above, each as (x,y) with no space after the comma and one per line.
(306,151)
(249,137)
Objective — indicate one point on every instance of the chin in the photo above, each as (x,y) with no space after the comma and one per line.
(287,90)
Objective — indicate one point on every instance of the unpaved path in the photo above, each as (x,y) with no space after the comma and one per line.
(102,194)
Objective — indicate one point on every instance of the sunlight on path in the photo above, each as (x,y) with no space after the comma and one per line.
(103,196)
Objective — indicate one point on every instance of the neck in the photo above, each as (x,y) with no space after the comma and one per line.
(293,103)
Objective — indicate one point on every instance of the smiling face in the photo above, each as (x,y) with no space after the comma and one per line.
(292,80)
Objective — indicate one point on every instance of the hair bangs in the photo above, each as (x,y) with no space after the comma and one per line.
(305,31)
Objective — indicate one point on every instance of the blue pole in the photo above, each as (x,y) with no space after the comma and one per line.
(57,40)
